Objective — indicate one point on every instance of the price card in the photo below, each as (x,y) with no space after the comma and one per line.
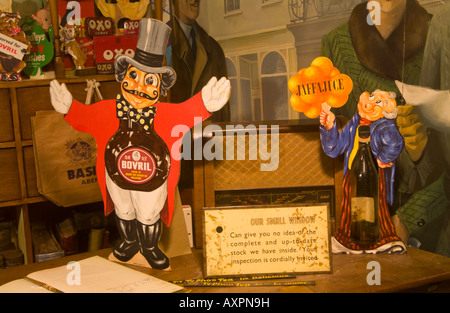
(12,47)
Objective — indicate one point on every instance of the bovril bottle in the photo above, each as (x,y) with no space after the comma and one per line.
(137,158)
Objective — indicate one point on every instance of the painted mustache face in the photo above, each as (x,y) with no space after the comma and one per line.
(141,89)
(135,92)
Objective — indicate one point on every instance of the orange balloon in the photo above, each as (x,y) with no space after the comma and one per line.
(336,101)
(319,83)
(324,64)
(313,111)
(346,83)
(317,98)
(334,72)
(297,104)
(312,74)
(293,84)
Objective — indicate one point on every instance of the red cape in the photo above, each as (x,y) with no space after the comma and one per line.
(100,121)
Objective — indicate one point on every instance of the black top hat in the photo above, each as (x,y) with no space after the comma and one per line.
(150,51)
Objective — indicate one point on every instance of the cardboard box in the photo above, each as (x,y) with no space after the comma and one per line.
(99,26)
(131,27)
(108,48)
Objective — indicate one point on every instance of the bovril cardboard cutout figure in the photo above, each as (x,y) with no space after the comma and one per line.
(139,172)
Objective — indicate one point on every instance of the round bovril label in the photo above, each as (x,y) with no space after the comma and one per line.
(136,165)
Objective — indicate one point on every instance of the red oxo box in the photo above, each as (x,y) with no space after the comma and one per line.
(99,26)
(131,27)
(108,48)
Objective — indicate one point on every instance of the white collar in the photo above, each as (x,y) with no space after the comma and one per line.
(186,28)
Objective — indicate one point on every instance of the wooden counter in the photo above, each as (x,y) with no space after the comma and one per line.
(416,271)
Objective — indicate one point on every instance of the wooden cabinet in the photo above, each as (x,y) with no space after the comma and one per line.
(302,173)
(19,101)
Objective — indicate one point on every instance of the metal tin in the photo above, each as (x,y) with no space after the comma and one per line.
(13,258)
(5,238)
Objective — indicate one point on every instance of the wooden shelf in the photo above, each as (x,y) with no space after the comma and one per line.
(19,102)
(45,82)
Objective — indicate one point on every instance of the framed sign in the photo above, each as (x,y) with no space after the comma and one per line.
(266,240)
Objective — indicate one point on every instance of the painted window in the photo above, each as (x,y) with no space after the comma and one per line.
(274,79)
(259,84)
(232,6)
(269,2)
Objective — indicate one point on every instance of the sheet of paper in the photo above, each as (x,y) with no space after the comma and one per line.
(22,286)
(433,105)
(98,275)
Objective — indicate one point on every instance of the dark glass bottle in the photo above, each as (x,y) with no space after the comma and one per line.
(364,194)
(137,159)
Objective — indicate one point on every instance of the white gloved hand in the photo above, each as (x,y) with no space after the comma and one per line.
(216,94)
(60,97)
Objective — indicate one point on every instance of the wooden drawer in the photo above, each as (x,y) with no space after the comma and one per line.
(30,172)
(30,100)
(9,173)
(6,125)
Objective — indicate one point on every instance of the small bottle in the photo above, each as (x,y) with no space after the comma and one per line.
(137,158)
(364,194)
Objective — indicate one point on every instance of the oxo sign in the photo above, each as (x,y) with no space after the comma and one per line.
(108,48)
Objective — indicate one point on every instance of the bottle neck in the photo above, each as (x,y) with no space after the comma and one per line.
(127,124)
(364,148)
(138,120)
(364,140)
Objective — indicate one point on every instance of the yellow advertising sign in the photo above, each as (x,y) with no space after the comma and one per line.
(318,84)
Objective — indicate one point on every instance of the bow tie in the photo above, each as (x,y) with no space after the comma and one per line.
(143,117)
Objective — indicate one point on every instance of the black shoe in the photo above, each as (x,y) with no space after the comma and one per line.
(129,245)
(149,236)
